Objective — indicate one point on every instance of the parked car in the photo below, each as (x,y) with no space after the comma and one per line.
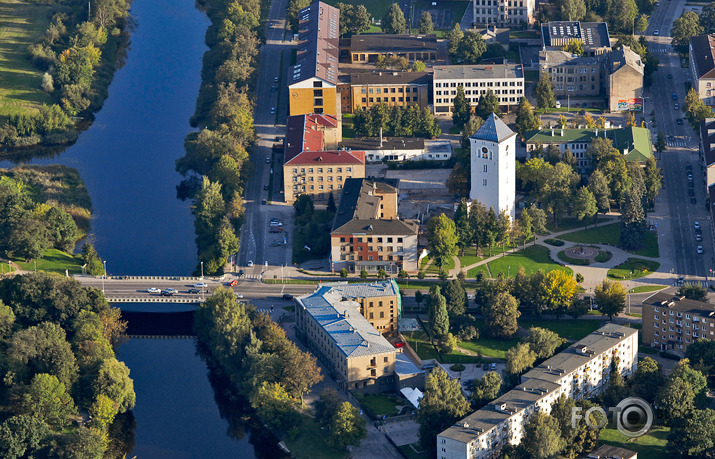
(201,285)
(275,79)
(656,32)
(494,367)
(194,290)
(691,192)
(265,187)
(697,225)
(268,159)
(153,290)
(691,184)
(233,282)
(250,263)
(698,237)
(264,202)
(558,104)
(273,110)
(677,107)
(689,167)
(693,200)
(166,293)
(485,367)
(239,296)
(679,121)
(700,249)
(287,296)
(240,273)
(675,96)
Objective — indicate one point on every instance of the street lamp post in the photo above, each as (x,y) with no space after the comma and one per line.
(105,274)
(508,270)
(202,270)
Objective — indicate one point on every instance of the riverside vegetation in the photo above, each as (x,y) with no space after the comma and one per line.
(216,164)
(78,52)
(63,393)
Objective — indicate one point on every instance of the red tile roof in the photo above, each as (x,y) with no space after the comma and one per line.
(328,157)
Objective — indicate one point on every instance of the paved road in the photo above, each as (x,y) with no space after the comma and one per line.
(257,244)
(682,151)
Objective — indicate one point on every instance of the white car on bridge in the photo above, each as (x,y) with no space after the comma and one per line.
(153,290)
(201,285)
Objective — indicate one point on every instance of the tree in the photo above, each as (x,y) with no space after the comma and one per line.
(648,379)
(702,354)
(693,291)
(695,379)
(610,297)
(418,66)
(326,406)
(470,48)
(488,104)
(622,14)
(454,36)
(439,320)
(354,19)
(486,389)
(641,23)
(585,205)
(331,203)
(385,61)
(686,26)
(543,342)
(538,219)
(47,398)
(526,227)
(501,316)
(520,358)
(660,144)
(347,427)
(526,120)
(301,374)
(343,273)
(274,405)
(418,297)
(426,25)
(21,435)
(695,109)
(542,436)
(707,18)
(573,10)
(693,435)
(113,381)
(676,398)
(442,239)
(394,20)
(574,46)
(62,229)
(455,297)
(102,413)
(633,225)
(544,92)
(441,405)
(653,180)
(598,186)
(363,274)
(461,110)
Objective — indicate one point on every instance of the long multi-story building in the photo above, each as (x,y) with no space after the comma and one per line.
(321,173)
(571,75)
(367,232)
(506,81)
(367,48)
(580,371)
(504,13)
(331,322)
(401,89)
(313,80)
(702,67)
(675,322)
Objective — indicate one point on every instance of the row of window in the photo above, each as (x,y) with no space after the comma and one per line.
(680,315)
(385,99)
(474,100)
(583,79)
(378,239)
(572,70)
(469,92)
(391,90)
(312,188)
(370,258)
(320,170)
(480,84)
(347,248)
(339,178)
(570,87)
(496,3)
(488,11)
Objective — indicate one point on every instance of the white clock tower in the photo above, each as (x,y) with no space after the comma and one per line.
(493,158)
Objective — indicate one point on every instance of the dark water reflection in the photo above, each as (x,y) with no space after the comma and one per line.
(126,158)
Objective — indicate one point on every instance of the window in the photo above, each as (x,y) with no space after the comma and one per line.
(485,168)
(484,182)
(347,169)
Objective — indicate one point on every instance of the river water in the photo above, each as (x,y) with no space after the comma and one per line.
(126,158)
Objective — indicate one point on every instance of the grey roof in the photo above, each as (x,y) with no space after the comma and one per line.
(390,78)
(405,366)
(351,333)
(702,46)
(393,44)
(680,304)
(537,383)
(359,208)
(365,290)
(550,58)
(592,34)
(493,130)
(478,72)
(392,143)
(625,57)
(570,359)
(612,452)
(318,37)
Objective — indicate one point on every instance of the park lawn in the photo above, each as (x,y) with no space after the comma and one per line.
(312,442)
(571,329)
(606,234)
(433,269)
(472,273)
(650,247)
(567,223)
(470,257)
(21,23)
(379,405)
(650,445)
(54,261)
(493,348)
(414,451)
(376,8)
(647,288)
(637,266)
(533,258)
(424,349)
(572,261)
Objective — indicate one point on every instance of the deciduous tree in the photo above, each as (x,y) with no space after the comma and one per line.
(501,315)
(347,427)
(441,405)
(543,342)
(526,120)
(486,389)
(542,436)
(520,358)
(573,10)
(461,110)
(686,26)
(610,297)
(442,239)
(47,398)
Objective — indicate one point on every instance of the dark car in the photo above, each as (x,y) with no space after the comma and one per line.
(689,167)
(693,200)
(691,184)
(679,121)
(287,296)
(485,367)
(264,202)
(671,137)
(240,273)
(691,192)
(265,187)
(194,290)
(584,105)
(165,293)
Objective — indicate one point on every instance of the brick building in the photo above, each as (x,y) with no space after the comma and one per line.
(675,322)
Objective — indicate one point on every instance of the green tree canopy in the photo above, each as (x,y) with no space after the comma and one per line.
(543,342)
(542,436)
(426,25)
(347,427)
(47,398)
(610,297)
(461,110)
(486,389)
(686,26)
(441,405)
(501,315)
(442,239)
(394,20)
(520,358)
(544,92)
(526,120)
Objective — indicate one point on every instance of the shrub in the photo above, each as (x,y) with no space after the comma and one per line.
(457,367)
(603,257)
(554,242)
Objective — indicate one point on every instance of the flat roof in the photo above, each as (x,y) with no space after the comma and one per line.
(351,333)
(384,43)
(478,72)
(592,34)
(390,78)
(680,304)
(392,143)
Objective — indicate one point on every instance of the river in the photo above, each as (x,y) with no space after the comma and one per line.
(126,158)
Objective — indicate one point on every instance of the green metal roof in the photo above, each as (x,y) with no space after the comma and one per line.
(569,135)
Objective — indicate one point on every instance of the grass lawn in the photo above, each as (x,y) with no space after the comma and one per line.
(312,442)
(348,130)
(414,451)
(567,223)
(650,445)
(470,257)
(21,23)
(607,234)
(524,34)
(379,405)
(650,248)
(472,273)
(423,348)
(533,258)
(531,75)
(637,266)
(647,288)
(433,269)
(647,350)
(572,261)
(571,329)
(54,261)
(493,348)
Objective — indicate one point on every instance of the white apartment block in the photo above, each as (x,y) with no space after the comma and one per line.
(580,371)
(503,13)
(493,166)
(702,67)
(506,81)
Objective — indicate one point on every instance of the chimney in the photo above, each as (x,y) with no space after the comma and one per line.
(552,132)
(596,133)
(562,132)
(380,137)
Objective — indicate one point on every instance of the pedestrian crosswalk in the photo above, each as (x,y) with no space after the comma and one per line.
(677,144)
(659,50)
(250,276)
(265,310)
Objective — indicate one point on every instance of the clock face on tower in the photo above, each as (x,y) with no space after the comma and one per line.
(484,149)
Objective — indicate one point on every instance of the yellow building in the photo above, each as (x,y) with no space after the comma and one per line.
(402,89)
(331,322)
(313,80)
(320,173)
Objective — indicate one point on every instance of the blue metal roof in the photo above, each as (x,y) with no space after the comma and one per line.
(493,130)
